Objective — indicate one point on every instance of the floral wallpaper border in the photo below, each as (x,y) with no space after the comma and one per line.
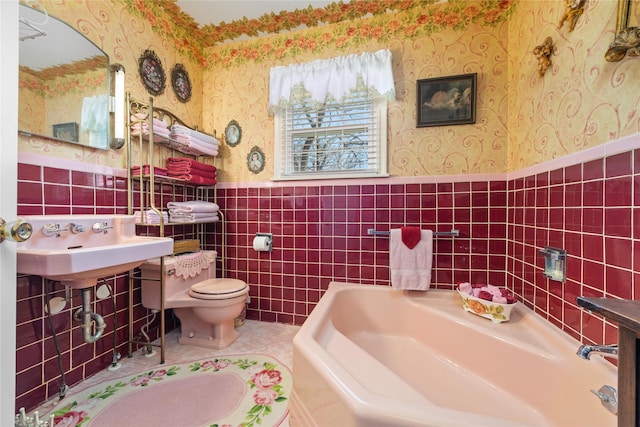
(73,68)
(64,83)
(413,23)
(418,19)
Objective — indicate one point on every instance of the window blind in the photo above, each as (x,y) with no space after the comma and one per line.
(335,139)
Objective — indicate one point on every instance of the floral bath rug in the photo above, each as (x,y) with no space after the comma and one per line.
(226,391)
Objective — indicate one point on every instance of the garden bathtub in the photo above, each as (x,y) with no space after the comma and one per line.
(376,356)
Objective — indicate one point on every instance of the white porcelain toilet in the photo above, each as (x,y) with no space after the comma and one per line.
(205,305)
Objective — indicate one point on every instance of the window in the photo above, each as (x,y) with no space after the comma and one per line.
(331,116)
(344,139)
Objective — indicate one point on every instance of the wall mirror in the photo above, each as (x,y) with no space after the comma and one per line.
(64,82)
(627,40)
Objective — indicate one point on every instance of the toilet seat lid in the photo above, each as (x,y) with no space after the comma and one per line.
(218,288)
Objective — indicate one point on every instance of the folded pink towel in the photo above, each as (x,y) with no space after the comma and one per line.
(193,206)
(465,287)
(411,268)
(194,179)
(499,300)
(179,130)
(183,162)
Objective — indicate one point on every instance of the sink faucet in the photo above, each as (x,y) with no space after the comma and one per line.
(100,227)
(585,351)
(76,228)
(52,230)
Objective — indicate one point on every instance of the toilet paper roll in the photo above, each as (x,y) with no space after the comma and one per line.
(262,243)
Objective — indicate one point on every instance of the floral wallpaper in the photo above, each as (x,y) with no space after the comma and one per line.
(32,105)
(522,119)
(186,36)
(123,37)
(582,101)
(72,69)
(47,99)
(416,21)
(429,41)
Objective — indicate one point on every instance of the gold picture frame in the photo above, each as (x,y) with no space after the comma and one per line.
(627,40)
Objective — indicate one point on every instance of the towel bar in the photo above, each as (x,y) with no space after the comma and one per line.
(452,233)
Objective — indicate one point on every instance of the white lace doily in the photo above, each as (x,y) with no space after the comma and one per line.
(190,265)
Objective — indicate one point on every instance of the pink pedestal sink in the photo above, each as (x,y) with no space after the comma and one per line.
(77,250)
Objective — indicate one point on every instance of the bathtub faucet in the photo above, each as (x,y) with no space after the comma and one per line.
(585,351)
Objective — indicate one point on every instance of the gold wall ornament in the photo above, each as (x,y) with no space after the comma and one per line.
(573,9)
(543,53)
(627,40)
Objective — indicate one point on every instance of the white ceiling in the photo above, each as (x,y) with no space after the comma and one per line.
(214,12)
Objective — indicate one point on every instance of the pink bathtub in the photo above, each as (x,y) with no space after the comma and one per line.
(375,356)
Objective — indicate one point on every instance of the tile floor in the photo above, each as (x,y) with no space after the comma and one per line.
(274,339)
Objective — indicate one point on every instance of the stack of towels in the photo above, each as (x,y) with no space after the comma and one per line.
(191,170)
(150,217)
(193,142)
(140,124)
(193,211)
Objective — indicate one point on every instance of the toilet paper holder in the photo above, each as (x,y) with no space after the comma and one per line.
(263,242)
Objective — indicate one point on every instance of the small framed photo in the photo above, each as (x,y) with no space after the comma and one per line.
(233,133)
(255,160)
(66,131)
(445,101)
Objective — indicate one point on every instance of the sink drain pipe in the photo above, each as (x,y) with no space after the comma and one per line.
(88,317)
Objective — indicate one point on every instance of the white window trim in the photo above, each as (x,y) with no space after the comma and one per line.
(279,140)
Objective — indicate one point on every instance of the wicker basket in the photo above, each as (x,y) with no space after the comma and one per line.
(182,246)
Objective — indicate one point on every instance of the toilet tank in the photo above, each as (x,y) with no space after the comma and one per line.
(180,273)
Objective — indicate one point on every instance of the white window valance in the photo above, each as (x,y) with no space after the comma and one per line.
(332,78)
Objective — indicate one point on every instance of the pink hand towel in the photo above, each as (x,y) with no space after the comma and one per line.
(411,268)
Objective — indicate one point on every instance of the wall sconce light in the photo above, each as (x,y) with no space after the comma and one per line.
(555,263)
(118,107)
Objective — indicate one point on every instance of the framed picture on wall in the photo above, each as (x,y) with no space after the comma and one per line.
(66,131)
(445,101)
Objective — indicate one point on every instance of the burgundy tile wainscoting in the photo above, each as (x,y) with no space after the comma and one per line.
(48,190)
(588,204)
(591,209)
(320,234)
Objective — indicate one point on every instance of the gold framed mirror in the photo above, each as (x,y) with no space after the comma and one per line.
(627,40)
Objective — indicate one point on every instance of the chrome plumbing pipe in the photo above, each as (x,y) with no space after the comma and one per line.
(88,317)
(586,351)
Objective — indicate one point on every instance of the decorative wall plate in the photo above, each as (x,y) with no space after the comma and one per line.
(181,83)
(233,133)
(255,160)
(151,72)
